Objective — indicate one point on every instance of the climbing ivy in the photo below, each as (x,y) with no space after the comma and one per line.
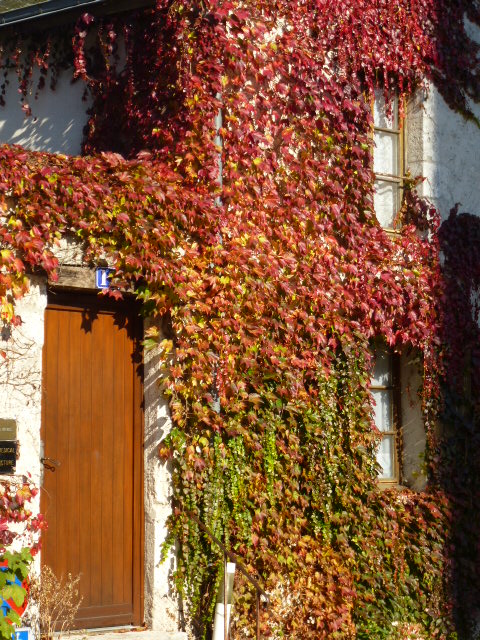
(254,235)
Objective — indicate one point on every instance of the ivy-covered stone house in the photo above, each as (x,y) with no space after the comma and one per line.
(237,288)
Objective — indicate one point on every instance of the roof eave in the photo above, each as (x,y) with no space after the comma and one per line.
(54,8)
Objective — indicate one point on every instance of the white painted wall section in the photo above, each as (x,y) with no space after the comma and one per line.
(161,605)
(21,378)
(444,148)
(57,121)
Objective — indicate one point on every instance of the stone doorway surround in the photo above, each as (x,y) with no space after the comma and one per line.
(21,400)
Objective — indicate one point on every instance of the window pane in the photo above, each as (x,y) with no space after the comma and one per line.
(382,371)
(385,202)
(385,458)
(385,155)
(383,409)
(380,117)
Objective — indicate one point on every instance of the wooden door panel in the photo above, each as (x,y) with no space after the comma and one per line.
(92,427)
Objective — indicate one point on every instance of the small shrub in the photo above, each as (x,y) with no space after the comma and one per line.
(57,600)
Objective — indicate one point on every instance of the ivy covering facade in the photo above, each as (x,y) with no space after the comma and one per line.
(256,238)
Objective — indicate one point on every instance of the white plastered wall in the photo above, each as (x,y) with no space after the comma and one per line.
(57,120)
(161,607)
(21,379)
(444,148)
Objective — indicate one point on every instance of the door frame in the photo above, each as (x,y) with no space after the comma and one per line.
(59,298)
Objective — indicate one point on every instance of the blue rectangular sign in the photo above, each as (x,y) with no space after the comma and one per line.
(23,633)
(102,277)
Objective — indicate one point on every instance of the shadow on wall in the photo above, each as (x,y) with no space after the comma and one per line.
(157,414)
(159,595)
(443,145)
(450,154)
(57,121)
(459,443)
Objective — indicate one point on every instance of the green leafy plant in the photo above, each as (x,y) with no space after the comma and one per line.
(17,567)
(19,529)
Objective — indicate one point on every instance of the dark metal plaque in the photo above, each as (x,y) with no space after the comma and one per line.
(8,429)
(8,456)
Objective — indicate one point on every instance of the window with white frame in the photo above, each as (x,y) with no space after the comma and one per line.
(385,391)
(387,160)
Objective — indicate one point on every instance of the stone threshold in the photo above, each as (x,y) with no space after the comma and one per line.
(125,634)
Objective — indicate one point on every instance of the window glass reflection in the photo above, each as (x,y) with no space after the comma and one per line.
(383,410)
(383,117)
(385,156)
(386,457)
(382,371)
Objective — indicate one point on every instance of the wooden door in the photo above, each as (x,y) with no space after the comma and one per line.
(92,427)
